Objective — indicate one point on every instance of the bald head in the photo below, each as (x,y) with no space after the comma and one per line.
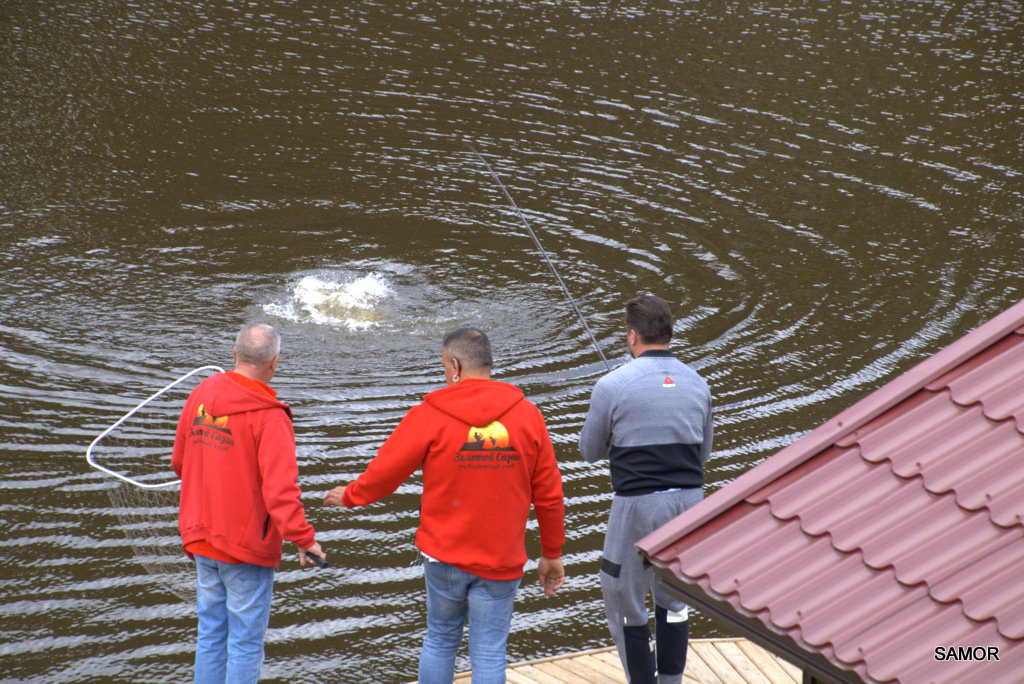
(257,348)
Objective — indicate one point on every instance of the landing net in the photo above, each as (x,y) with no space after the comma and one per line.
(135,451)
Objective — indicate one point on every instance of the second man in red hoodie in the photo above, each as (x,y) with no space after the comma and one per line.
(486,458)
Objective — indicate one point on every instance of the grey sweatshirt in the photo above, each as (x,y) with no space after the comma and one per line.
(653,418)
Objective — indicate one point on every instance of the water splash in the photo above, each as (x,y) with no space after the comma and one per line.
(346,302)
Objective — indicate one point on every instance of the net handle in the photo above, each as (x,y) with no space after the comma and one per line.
(125,478)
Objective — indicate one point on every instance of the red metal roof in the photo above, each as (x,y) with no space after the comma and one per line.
(890,531)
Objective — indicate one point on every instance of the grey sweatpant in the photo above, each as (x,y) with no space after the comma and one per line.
(625,583)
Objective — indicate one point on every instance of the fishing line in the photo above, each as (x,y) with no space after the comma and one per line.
(543,252)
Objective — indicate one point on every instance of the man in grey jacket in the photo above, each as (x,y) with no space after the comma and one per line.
(653,419)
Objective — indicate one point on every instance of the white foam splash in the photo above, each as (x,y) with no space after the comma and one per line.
(350,303)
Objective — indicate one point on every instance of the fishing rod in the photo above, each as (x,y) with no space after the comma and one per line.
(542,251)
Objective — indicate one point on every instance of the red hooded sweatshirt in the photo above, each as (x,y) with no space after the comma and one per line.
(486,457)
(235,454)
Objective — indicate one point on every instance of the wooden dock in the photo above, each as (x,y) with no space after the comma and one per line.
(708,661)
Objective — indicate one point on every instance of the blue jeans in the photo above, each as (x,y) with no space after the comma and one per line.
(452,596)
(233,602)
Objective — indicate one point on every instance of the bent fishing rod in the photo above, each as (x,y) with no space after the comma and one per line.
(542,251)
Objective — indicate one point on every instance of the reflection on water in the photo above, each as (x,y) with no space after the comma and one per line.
(825,194)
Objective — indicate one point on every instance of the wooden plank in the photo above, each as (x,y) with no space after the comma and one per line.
(709,661)
(739,660)
(517,676)
(775,669)
(610,661)
(689,679)
(588,674)
(714,659)
(548,659)
(531,674)
(795,672)
(610,658)
(696,667)
(556,669)
(611,670)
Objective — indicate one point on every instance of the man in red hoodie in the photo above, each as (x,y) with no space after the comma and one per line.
(486,458)
(234,451)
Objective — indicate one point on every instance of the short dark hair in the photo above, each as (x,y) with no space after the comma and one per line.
(651,318)
(470,346)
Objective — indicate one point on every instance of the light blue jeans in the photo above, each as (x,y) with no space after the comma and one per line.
(452,596)
(233,602)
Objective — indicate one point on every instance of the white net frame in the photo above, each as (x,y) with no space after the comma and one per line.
(146,501)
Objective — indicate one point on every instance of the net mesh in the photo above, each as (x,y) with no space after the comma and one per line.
(148,518)
(139,448)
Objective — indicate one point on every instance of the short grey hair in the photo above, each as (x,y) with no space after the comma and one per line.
(257,344)
(470,346)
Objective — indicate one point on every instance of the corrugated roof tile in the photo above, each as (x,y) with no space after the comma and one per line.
(996,382)
(933,515)
(903,640)
(981,588)
(957,468)
(933,558)
(878,595)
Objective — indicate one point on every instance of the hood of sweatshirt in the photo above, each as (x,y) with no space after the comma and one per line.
(475,401)
(223,396)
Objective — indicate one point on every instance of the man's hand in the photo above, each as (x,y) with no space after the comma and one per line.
(551,574)
(334,497)
(313,550)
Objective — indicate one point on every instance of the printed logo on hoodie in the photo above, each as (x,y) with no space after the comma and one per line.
(487,447)
(211,431)
(204,418)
